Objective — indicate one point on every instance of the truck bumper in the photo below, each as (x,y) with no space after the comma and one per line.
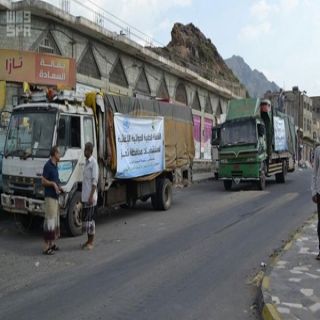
(22,205)
(240,171)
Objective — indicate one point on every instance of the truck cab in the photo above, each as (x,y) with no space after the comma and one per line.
(33,129)
(242,149)
(256,142)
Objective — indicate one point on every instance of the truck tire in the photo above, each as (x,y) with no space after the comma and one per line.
(74,215)
(281,177)
(163,198)
(227,184)
(262,181)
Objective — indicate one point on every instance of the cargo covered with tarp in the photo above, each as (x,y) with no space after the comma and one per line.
(178,127)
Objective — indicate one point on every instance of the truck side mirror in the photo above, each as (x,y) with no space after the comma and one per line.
(261,130)
(215,137)
(4,119)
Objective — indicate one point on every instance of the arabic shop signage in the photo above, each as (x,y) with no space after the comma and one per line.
(140,145)
(37,68)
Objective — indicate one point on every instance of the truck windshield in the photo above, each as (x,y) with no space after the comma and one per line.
(30,134)
(238,132)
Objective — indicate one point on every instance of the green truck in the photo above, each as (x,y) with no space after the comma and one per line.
(256,141)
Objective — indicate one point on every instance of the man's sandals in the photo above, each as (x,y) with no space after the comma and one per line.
(50,251)
(87,246)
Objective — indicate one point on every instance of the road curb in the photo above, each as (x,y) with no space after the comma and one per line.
(266,306)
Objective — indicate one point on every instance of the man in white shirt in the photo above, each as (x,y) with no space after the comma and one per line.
(89,194)
(315,188)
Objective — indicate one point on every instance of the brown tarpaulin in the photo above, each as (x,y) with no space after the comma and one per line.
(178,126)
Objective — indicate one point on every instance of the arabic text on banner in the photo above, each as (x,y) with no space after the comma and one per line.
(280,138)
(140,145)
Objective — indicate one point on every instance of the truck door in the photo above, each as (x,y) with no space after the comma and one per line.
(69,143)
(69,134)
(215,142)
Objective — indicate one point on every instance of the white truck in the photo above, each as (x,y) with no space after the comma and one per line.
(143,147)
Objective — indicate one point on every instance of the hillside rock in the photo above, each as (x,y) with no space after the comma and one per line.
(255,81)
(190,48)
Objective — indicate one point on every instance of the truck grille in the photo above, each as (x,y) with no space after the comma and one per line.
(237,173)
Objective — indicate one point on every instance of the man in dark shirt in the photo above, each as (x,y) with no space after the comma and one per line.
(50,181)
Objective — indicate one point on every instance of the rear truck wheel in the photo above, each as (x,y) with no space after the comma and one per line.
(162,199)
(262,180)
(74,215)
(281,177)
(227,184)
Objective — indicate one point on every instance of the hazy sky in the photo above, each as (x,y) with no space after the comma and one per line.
(278,37)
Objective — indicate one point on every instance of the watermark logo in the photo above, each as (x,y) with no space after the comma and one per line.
(18,23)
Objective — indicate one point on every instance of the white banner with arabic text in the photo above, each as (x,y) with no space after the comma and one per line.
(140,145)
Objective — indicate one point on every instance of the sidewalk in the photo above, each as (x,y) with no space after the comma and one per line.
(292,289)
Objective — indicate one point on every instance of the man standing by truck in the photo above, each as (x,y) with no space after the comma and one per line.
(50,181)
(89,195)
(315,188)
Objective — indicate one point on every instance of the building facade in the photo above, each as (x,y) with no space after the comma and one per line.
(300,107)
(111,62)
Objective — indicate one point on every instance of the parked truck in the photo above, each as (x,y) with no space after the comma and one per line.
(143,148)
(256,141)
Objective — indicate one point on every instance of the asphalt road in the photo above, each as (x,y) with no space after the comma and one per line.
(194,261)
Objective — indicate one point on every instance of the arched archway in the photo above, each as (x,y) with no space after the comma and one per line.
(181,93)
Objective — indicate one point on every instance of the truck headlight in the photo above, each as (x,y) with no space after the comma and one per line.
(63,198)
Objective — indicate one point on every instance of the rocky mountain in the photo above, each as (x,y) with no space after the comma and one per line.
(255,81)
(190,48)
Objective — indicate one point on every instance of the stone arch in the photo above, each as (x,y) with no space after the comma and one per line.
(208,107)
(142,84)
(118,75)
(181,93)
(196,102)
(87,64)
(163,91)
(46,43)
(219,110)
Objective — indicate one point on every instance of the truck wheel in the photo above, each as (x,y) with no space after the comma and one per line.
(163,198)
(74,215)
(281,177)
(262,180)
(227,184)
